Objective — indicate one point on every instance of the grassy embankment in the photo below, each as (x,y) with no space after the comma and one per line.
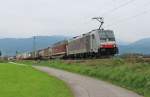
(24,81)
(132,74)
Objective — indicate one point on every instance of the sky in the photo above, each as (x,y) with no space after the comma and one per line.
(25,18)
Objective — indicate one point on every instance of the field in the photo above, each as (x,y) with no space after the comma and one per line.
(24,81)
(133,74)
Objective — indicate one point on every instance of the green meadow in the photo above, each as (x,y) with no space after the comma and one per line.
(24,81)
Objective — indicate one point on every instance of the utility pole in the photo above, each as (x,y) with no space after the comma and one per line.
(101,20)
(17,52)
(0,54)
(34,47)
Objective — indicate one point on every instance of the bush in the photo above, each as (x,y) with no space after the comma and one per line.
(3,61)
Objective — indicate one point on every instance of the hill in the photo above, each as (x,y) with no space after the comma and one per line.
(140,46)
(121,42)
(9,46)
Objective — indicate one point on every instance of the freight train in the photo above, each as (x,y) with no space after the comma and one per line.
(96,43)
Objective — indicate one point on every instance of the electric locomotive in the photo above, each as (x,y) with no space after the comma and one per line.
(97,43)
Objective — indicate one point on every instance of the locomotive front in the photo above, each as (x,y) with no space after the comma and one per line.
(107,43)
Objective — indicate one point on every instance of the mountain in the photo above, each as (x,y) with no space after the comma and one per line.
(141,46)
(9,46)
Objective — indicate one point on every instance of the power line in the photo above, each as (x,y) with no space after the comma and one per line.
(118,7)
(146,4)
(130,18)
(134,16)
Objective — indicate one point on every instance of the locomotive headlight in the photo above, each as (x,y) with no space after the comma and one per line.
(114,45)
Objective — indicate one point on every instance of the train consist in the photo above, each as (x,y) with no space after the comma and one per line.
(96,43)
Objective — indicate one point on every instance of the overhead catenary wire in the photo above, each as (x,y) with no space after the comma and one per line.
(146,4)
(117,8)
(129,18)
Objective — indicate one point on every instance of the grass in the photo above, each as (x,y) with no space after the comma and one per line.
(132,74)
(24,81)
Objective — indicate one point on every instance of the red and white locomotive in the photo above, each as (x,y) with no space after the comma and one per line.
(95,43)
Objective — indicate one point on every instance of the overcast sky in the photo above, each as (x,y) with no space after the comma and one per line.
(25,18)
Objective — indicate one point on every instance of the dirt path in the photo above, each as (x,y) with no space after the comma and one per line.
(87,87)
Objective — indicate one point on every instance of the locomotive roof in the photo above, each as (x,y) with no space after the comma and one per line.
(85,34)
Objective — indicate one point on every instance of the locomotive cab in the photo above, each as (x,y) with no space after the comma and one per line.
(107,43)
(103,42)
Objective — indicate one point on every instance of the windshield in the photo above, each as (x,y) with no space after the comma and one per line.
(106,36)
